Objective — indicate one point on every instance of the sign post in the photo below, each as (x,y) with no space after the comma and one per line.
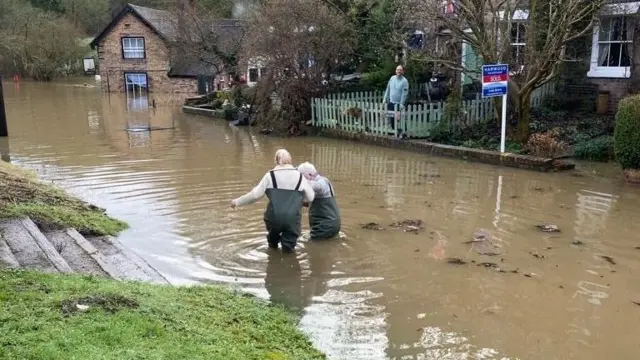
(3,115)
(495,82)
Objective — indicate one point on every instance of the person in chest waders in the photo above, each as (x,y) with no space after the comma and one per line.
(286,189)
(324,215)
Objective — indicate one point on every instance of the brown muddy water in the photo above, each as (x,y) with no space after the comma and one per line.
(370,294)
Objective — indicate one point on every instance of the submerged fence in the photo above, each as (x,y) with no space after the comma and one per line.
(365,112)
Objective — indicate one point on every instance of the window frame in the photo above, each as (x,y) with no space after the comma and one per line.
(599,71)
(146,76)
(124,52)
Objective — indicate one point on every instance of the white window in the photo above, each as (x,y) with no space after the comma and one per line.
(133,48)
(136,83)
(611,47)
(518,42)
(612,41)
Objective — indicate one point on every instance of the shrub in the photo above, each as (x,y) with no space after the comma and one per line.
(627,133)
(546,144)
(598,149)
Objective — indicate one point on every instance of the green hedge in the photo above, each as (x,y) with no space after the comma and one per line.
(627,133)
(598,149)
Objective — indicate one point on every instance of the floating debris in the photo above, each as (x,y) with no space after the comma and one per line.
(636,302)
(530,275)
(548,228)
(409,225)
(537,255)
(456,261)
(608,259)
(488,265)
(372,226)
(483,244)
(577,242)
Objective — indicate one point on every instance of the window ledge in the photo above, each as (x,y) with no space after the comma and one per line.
(615,73)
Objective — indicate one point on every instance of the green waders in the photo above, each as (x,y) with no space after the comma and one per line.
(282,217)
(324,217)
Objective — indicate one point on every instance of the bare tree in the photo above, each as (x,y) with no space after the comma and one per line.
(532,36)
(298,44)
(203,40)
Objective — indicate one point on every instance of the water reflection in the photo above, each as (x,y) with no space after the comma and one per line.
(371,294)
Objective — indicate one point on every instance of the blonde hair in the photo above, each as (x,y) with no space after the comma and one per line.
(308,170)
(283,157)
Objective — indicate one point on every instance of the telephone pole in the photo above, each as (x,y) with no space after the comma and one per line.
(4,132)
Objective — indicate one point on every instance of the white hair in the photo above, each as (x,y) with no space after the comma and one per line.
(283,157)
(307,169)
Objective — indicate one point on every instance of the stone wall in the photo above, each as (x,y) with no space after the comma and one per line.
(155,64)
(477,155)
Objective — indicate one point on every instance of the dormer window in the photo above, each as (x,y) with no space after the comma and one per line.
(133,48)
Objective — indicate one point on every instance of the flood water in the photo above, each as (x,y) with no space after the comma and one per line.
(370,294)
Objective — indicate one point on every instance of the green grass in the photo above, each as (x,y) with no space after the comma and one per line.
(40,319)
(23,195)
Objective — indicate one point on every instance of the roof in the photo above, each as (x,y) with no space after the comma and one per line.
(160,21)
(163,23)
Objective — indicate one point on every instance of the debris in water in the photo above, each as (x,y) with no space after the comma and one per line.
(636,302)
(561,287)
(456,261)
(483,244)
(577,242)
(537,255)
(416,250)
(515,271)
(409,225)
(548,228)
(637,247)
(371,226)
(488,264)
(608,259)
(530,275)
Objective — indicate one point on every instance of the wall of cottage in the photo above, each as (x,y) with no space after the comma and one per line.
(155,64)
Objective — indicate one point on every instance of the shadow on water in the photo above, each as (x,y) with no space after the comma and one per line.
(372,295)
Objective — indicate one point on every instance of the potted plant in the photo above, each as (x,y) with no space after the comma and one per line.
(626,137)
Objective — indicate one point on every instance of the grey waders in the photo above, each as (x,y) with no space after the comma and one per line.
(283,215)
(324,217)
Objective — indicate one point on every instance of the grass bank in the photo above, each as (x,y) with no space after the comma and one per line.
(45,316)
(23,195)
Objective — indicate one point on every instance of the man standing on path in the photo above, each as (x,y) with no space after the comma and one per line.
(396,95)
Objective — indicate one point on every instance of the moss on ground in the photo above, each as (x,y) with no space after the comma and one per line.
(47,316)
(23,195)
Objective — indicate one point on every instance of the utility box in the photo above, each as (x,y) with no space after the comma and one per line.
(603,103)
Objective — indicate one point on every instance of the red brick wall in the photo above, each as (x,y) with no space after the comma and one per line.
(156,63)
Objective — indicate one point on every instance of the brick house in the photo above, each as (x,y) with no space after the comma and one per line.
(134,55)
(613,65)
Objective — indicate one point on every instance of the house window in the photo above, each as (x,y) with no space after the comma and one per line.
(133,48)
(136,83)
(518,42)
(253,75)
(611,48)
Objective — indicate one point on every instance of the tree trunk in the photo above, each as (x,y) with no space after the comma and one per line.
(524,115)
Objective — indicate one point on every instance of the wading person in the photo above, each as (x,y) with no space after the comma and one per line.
(395,96)
(286,189)
(324,215)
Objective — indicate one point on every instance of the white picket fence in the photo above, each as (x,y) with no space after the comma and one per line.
(365,111)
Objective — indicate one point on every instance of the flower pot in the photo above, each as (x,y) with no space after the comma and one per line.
(632,175)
